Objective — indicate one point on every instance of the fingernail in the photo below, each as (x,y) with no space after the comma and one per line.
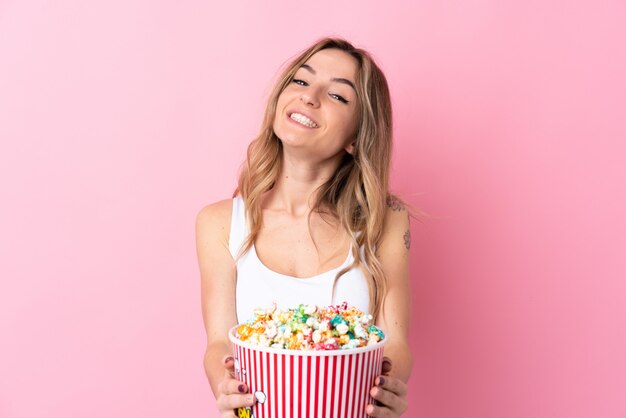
(251,399)
(227,359)
(381,381)
(242,388)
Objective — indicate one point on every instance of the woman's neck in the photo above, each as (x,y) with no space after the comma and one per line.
(295,190)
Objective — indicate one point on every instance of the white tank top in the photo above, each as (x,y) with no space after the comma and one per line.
(258,286)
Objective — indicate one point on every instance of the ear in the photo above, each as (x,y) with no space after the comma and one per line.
(350,148)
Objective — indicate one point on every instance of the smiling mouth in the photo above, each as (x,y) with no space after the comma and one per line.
(303,120)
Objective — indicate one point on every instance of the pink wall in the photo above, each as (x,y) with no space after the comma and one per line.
(119,120)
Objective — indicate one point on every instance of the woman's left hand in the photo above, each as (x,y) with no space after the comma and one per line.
(390,393)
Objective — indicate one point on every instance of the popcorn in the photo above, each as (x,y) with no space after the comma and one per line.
(342,328)
(310,327)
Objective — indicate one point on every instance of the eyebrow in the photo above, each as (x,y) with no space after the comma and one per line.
(335,79)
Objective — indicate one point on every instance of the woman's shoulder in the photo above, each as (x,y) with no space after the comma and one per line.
(215,217)
(396,226)
(396,213)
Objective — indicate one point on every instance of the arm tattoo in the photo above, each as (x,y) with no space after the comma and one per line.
(394,203)
(407,239)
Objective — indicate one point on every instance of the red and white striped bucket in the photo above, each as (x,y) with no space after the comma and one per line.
(307,384)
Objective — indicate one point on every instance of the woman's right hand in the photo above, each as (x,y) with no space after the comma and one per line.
(232,393)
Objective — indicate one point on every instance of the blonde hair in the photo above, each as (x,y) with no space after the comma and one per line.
(357,193)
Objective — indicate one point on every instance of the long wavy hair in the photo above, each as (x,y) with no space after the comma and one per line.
(356,195)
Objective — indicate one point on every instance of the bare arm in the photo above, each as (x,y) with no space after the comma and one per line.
(218,280)
(393,252)
(395,315)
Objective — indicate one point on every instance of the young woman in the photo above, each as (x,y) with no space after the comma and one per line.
(313,189)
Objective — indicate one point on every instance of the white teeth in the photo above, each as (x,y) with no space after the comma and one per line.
(303,120)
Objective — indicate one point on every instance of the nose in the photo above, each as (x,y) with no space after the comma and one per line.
(310,97)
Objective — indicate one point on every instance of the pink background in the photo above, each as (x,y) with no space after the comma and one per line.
(119,120)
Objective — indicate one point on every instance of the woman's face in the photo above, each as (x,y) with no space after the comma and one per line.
(316,114)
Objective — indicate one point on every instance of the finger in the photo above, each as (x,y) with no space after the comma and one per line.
(229,374)
(378,411)
(389,400)
(230,402)
(229,362)
(386,365)
(230,386)
(228,414)
(391,384)
(385,397)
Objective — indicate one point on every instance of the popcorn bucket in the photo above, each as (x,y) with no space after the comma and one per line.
(307,383)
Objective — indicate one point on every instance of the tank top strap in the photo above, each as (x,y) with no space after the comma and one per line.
(238,227)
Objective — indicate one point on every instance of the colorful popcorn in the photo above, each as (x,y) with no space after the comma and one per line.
(309,327)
